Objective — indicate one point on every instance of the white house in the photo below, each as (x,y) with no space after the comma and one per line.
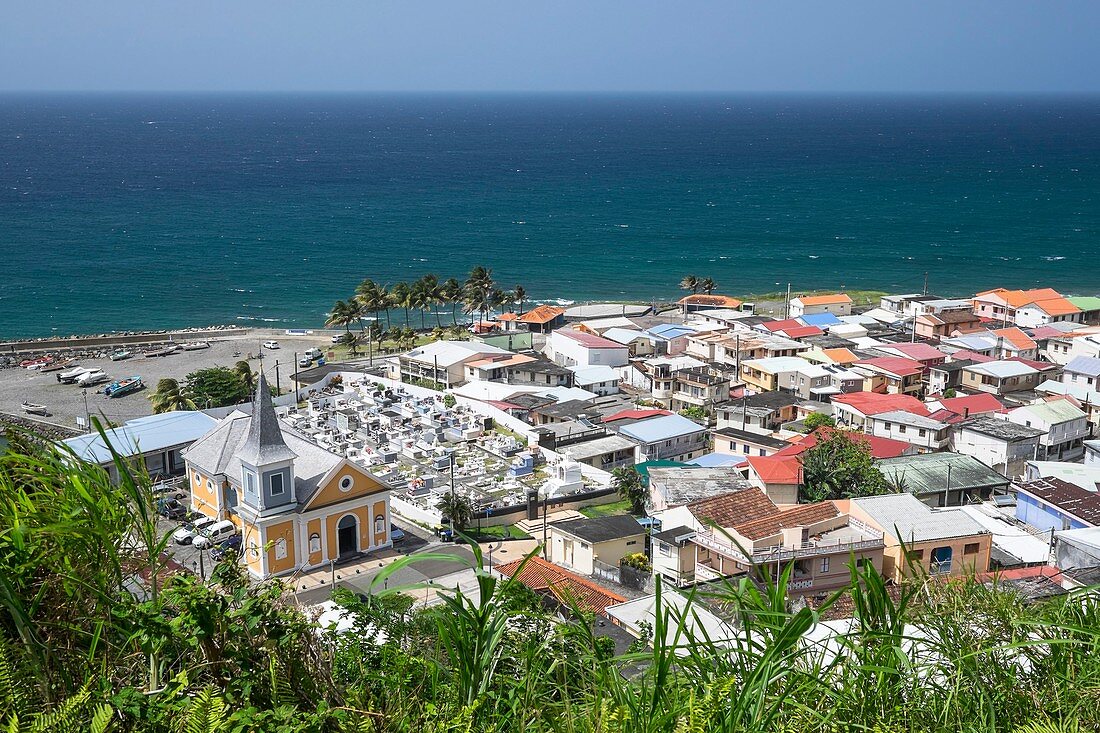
(601,379)
(923,432)
(1004,446)
(1083,371)
(838,304)
(1065,428)
(577,348)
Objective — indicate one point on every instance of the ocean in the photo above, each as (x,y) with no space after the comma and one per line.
(154,211)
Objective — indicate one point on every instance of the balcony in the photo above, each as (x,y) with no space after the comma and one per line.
(852,539)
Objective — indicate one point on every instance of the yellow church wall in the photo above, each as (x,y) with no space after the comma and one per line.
(274,536)
(252,540)
(380,510)
(203,499)
(361,485)
(314,528)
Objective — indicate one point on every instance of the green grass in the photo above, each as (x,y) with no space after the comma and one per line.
(509,531)
(607,510)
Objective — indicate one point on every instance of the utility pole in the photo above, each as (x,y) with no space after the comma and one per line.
(87,413)
(278,387)
(926,283)
(787,304)
(296,378)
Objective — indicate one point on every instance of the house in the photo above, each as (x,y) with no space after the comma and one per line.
(578,544)
(777,476)
(1000,444)
(948,375)
(1078,474)
(943,479)
(921,431)
(678,485)
(1015,343)
(606,452)
(600,379)
(943,325)
(838,304)
(681,620)
(638,343)
(1064,428)
(655,375)
(878,447)
(568,347)
(667,438)
(1050,504)
(702,387)
(298,506)
(968,406)
(494,368)
(919,539)
(1046,311)
(760,413)
(542,319)
(854,410)
(925,354)
(770,374)
(441,363)
(1000,377)
(561,588)
(1002,304)
(1082,371)
(155,442)
(704,301)
(731,441)
(670,339)
(673,555)
(1089,307)
(539,372)
(901,375)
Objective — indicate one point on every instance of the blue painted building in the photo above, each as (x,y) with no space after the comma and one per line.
(1053,504)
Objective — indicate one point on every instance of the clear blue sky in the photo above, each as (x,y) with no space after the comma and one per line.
(556,45)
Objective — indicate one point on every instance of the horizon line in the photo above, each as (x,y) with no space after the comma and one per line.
(575,92)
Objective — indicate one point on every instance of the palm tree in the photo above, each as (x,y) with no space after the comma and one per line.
(451,293)
(707,285)
(432,293)
(520,294)
(373,297)
(244,371)
(438,333)
(628,483)
(399,297)
(457,509)
(343,314)
(479,289)
(690,283)
(170,397)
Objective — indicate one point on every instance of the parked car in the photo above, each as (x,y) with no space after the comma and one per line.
(171,509)
(337,338)
(187,531)
(396,533)
(305,361)
(271,344)
(214,533)
(220,550)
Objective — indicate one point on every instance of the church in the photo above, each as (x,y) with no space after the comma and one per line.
(297,505)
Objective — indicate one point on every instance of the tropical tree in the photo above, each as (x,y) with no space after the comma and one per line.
(217,387)
(690,282)
(400,295)
(343,314)
(244,371)
(430,294)
(451,294)
(815,420)
(628,482)
(519,294)
(352,341)
(479,290)
(169,396)
(373,296)
(438,334)
(840,466)
(707,285)
(457,509)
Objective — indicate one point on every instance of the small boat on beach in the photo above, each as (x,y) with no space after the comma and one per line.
(195,345)
(123,387)
(33,408)
(120,355)
(165,351)
(58,365)
(71,375)
(35,363)
(95,376)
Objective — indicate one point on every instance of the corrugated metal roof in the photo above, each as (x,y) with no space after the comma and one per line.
(935,472)
(143,435)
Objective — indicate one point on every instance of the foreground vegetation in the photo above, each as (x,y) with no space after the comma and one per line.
(86,648)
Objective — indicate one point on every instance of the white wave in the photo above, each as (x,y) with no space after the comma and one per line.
(814,257)
(1053,259)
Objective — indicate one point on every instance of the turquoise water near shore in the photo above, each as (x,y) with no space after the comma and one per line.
(147,211)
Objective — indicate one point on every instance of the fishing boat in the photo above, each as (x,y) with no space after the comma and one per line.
(162,352)
(195,345)
(33,408)
(95,376)
(71,375)
(123,387)
(35,363)
(120,355)
(58,365)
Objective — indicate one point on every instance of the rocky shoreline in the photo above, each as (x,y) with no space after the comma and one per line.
(37,427)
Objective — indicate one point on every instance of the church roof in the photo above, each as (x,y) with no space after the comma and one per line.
(264,443)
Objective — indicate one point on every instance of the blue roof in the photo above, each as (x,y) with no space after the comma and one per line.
(661,428)
(716,460)
(669,331)
(820,319)
(145,434)
(1084,365)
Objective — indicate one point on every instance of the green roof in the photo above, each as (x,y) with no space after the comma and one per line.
(643,468)
(934,472)
(1086,303)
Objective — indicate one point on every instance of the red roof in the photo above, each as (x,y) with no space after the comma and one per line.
(540,575)
(774,326)
(898,365)
(874,403)
(777,469)
(966,355)
(920,352)
(879,447)
(715,301)
(801,332)
(975,404)
(542,314)
(1043,366)
(799,516)
(635,415)
(589,340)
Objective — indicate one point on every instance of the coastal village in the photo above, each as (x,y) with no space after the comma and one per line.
(617,443)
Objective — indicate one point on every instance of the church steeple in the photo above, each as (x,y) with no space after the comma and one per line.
(264,444)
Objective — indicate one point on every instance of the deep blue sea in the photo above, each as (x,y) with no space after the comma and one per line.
(146,211)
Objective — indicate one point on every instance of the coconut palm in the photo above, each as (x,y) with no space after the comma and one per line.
(479,290)
(627,481)
(451,294)
(431,294)
(707,285)
(690,283)
(399,298)
(519,294)
(374,298)
(343,314)
(170,397)
(243,370)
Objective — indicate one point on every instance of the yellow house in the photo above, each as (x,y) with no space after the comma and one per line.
(298,506)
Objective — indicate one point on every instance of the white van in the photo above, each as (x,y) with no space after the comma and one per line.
(214,534)
(313,353)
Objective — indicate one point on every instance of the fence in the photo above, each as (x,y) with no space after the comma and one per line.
(623,575)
